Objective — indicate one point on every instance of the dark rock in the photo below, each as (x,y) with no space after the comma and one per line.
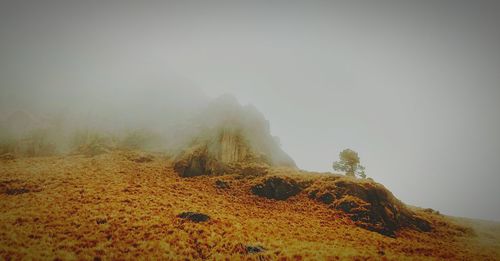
(421,224)
(350,205)
(326,198)
(16,191)
(220,184)
(16,187)
(194,216)
(254,249)
(388,232)
(313,194)
(279,188)
(369,204)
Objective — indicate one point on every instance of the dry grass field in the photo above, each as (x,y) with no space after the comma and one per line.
(126,205)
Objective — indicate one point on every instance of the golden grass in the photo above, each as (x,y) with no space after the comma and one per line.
(111,207)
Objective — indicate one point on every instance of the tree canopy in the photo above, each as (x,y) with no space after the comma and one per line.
(349,164)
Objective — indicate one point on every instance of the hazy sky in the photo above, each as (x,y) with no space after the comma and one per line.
(413,86)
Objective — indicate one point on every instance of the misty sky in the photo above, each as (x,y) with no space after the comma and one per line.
(414,87)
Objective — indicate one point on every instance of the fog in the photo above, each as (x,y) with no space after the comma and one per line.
(414,87)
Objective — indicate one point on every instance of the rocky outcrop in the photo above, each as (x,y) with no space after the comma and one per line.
(231,147)
(202,161)
(232,139)
(370,205)
(197,162)
(275,187)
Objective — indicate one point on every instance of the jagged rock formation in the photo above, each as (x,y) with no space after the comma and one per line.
(225,153)
(230,138)
(370,205)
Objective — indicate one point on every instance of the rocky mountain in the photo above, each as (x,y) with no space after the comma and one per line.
(228,137)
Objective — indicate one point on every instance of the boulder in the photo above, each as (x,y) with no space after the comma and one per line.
(244,249)
(194,216)
(16,191)
(254,249)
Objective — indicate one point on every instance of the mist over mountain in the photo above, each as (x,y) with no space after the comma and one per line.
(177,114)
(261,130)
(411,86)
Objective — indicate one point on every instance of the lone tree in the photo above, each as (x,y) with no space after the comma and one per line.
(349,163)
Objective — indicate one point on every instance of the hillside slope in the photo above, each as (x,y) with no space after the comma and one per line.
(125,205)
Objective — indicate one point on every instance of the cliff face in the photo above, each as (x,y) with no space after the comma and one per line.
(228,137)
(231,147)
(226,152)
